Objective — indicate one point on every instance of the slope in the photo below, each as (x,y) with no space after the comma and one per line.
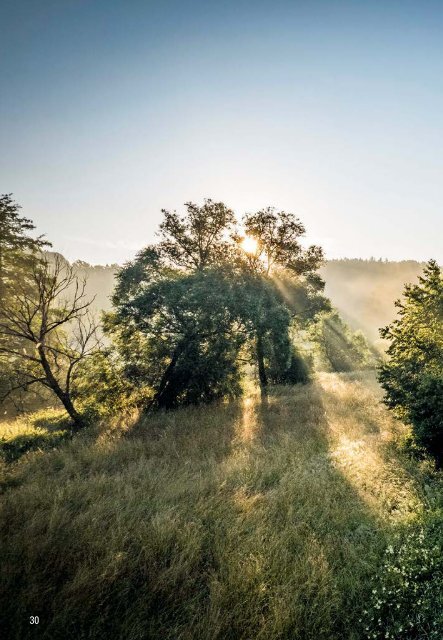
(237,521)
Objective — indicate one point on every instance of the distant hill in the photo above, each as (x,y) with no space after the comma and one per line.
(364,291)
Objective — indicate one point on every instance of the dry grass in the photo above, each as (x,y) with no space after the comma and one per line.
(248,520)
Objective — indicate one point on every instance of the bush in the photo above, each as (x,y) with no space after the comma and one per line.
(413,376)
(102,389)
(338,347)
(426,413)
(407,594)
(296,372)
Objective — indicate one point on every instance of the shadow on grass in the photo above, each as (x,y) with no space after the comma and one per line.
(51,421)
(227,522)
(302,541)
(15,448)
(42,431)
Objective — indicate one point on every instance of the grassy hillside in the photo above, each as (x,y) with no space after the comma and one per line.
(246,520)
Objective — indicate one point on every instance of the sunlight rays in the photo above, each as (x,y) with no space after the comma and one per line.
(249,245)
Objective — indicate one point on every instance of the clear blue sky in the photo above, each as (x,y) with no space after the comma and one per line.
(111,110)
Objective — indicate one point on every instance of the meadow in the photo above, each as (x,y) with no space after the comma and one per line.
(262,518)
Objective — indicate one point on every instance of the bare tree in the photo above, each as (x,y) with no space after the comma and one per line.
(47,330)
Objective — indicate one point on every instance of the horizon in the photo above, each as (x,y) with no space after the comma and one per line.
(371,259)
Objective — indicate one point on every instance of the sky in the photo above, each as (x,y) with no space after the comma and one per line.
(112,110)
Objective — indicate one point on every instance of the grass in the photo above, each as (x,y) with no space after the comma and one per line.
(39,431)
(247,520)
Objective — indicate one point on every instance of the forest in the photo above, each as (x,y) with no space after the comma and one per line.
(225,437)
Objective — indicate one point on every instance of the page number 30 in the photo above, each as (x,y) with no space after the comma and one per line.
(34,619)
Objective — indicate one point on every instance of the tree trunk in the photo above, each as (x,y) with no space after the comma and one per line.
(63,396)
(77,420)
(158,399)
(261,362)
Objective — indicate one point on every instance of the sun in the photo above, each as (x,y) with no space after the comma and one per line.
(249,245)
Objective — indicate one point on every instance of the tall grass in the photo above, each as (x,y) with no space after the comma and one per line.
(238,521)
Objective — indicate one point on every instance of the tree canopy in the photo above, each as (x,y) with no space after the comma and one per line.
(17,247)
(189,310)
(413,374)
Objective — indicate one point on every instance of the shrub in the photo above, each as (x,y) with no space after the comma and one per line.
(407,594)
(412,377)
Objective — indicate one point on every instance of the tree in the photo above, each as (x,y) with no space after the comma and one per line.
(286,286)
(412,377)
(278,243)
(17,248)
(174,315)
(176,331)
(184,308)
(44,337)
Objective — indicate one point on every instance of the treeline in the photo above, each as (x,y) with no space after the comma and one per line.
(189,315)
(363,291)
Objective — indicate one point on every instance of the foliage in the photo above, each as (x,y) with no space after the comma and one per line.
(288,275)
(102,389)
(196,240)
(17,252)
(339,348)
(176,331)
(407,593)
(295,371)
(17,248)
(266,313)
(412,377)
(278,244)
(185,307)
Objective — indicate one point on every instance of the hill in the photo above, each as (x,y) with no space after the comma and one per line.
(234,521)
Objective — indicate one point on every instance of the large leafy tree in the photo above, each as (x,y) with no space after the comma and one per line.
(176,331)
(412,377)
(174,320)
(184,307)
